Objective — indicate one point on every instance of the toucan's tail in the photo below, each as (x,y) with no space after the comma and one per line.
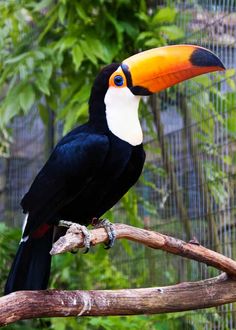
(31,267)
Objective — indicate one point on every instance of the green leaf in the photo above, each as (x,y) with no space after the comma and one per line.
(30,62)
(143,17)
(38,54)
(44,114)
(172,32)
(164,16)
(82,110)
(152,42)
(203,80)
(42,84)
(88,51)
(10,110)
(229,73)
(82,14)
(52,101)
(62,13)
(27,98)
(118,27)
(231,84)
(102,50)
(130,29)
(77,56)
(145,35)
(47,70)
(22,71)
(227,159)
(59,323)
(42,4)
(231,122)
(65,43)
(70,120)
(16,58)
(82,95)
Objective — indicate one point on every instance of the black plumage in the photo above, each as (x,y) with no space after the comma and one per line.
(88,172)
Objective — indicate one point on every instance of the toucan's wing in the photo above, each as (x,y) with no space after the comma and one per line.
(74,163)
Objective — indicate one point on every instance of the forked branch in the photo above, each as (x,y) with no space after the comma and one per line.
(181,297)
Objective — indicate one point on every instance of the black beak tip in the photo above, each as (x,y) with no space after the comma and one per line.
(204,57)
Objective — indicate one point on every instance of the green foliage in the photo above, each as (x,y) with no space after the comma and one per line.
(160,28)
(51,51)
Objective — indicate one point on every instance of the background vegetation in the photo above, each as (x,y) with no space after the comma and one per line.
(50,53)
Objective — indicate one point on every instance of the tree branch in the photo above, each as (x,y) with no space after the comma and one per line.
(192,250)
(181,297)
(54,303)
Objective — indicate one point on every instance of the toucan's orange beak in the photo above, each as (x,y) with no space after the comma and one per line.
(159,68)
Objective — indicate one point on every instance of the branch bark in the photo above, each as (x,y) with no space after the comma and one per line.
(181,297)
(192,250)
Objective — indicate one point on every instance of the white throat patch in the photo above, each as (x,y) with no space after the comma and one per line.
(122,115)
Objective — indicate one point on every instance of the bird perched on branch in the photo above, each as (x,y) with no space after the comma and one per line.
(94,165)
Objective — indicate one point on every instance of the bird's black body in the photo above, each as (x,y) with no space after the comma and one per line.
(88,172)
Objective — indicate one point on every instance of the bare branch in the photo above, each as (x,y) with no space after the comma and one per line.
(74,240)
(181,297)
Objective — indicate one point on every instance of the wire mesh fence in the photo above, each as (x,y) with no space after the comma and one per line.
(194,138)
(27,154)
(198,197)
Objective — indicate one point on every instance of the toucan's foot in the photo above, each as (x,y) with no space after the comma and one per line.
(73,227)
(108,226)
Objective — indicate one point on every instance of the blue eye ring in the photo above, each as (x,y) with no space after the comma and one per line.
(118,80)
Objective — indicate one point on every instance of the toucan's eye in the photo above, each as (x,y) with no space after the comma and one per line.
(118,80)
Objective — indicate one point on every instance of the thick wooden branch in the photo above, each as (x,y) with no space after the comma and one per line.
(192,250)
(181,297)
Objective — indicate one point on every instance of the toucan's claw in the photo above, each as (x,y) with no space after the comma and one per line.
(108,226)
(73,227)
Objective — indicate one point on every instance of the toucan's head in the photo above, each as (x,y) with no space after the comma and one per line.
(119,86)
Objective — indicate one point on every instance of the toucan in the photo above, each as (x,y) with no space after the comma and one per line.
(95,164)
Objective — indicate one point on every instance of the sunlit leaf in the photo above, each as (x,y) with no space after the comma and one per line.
(172,32)
(82,13)
(231,122)
(42,84)
(88,51)
(16,58)
(164,15)
(82,95)
(77,56)
(27,98)
(62,13)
